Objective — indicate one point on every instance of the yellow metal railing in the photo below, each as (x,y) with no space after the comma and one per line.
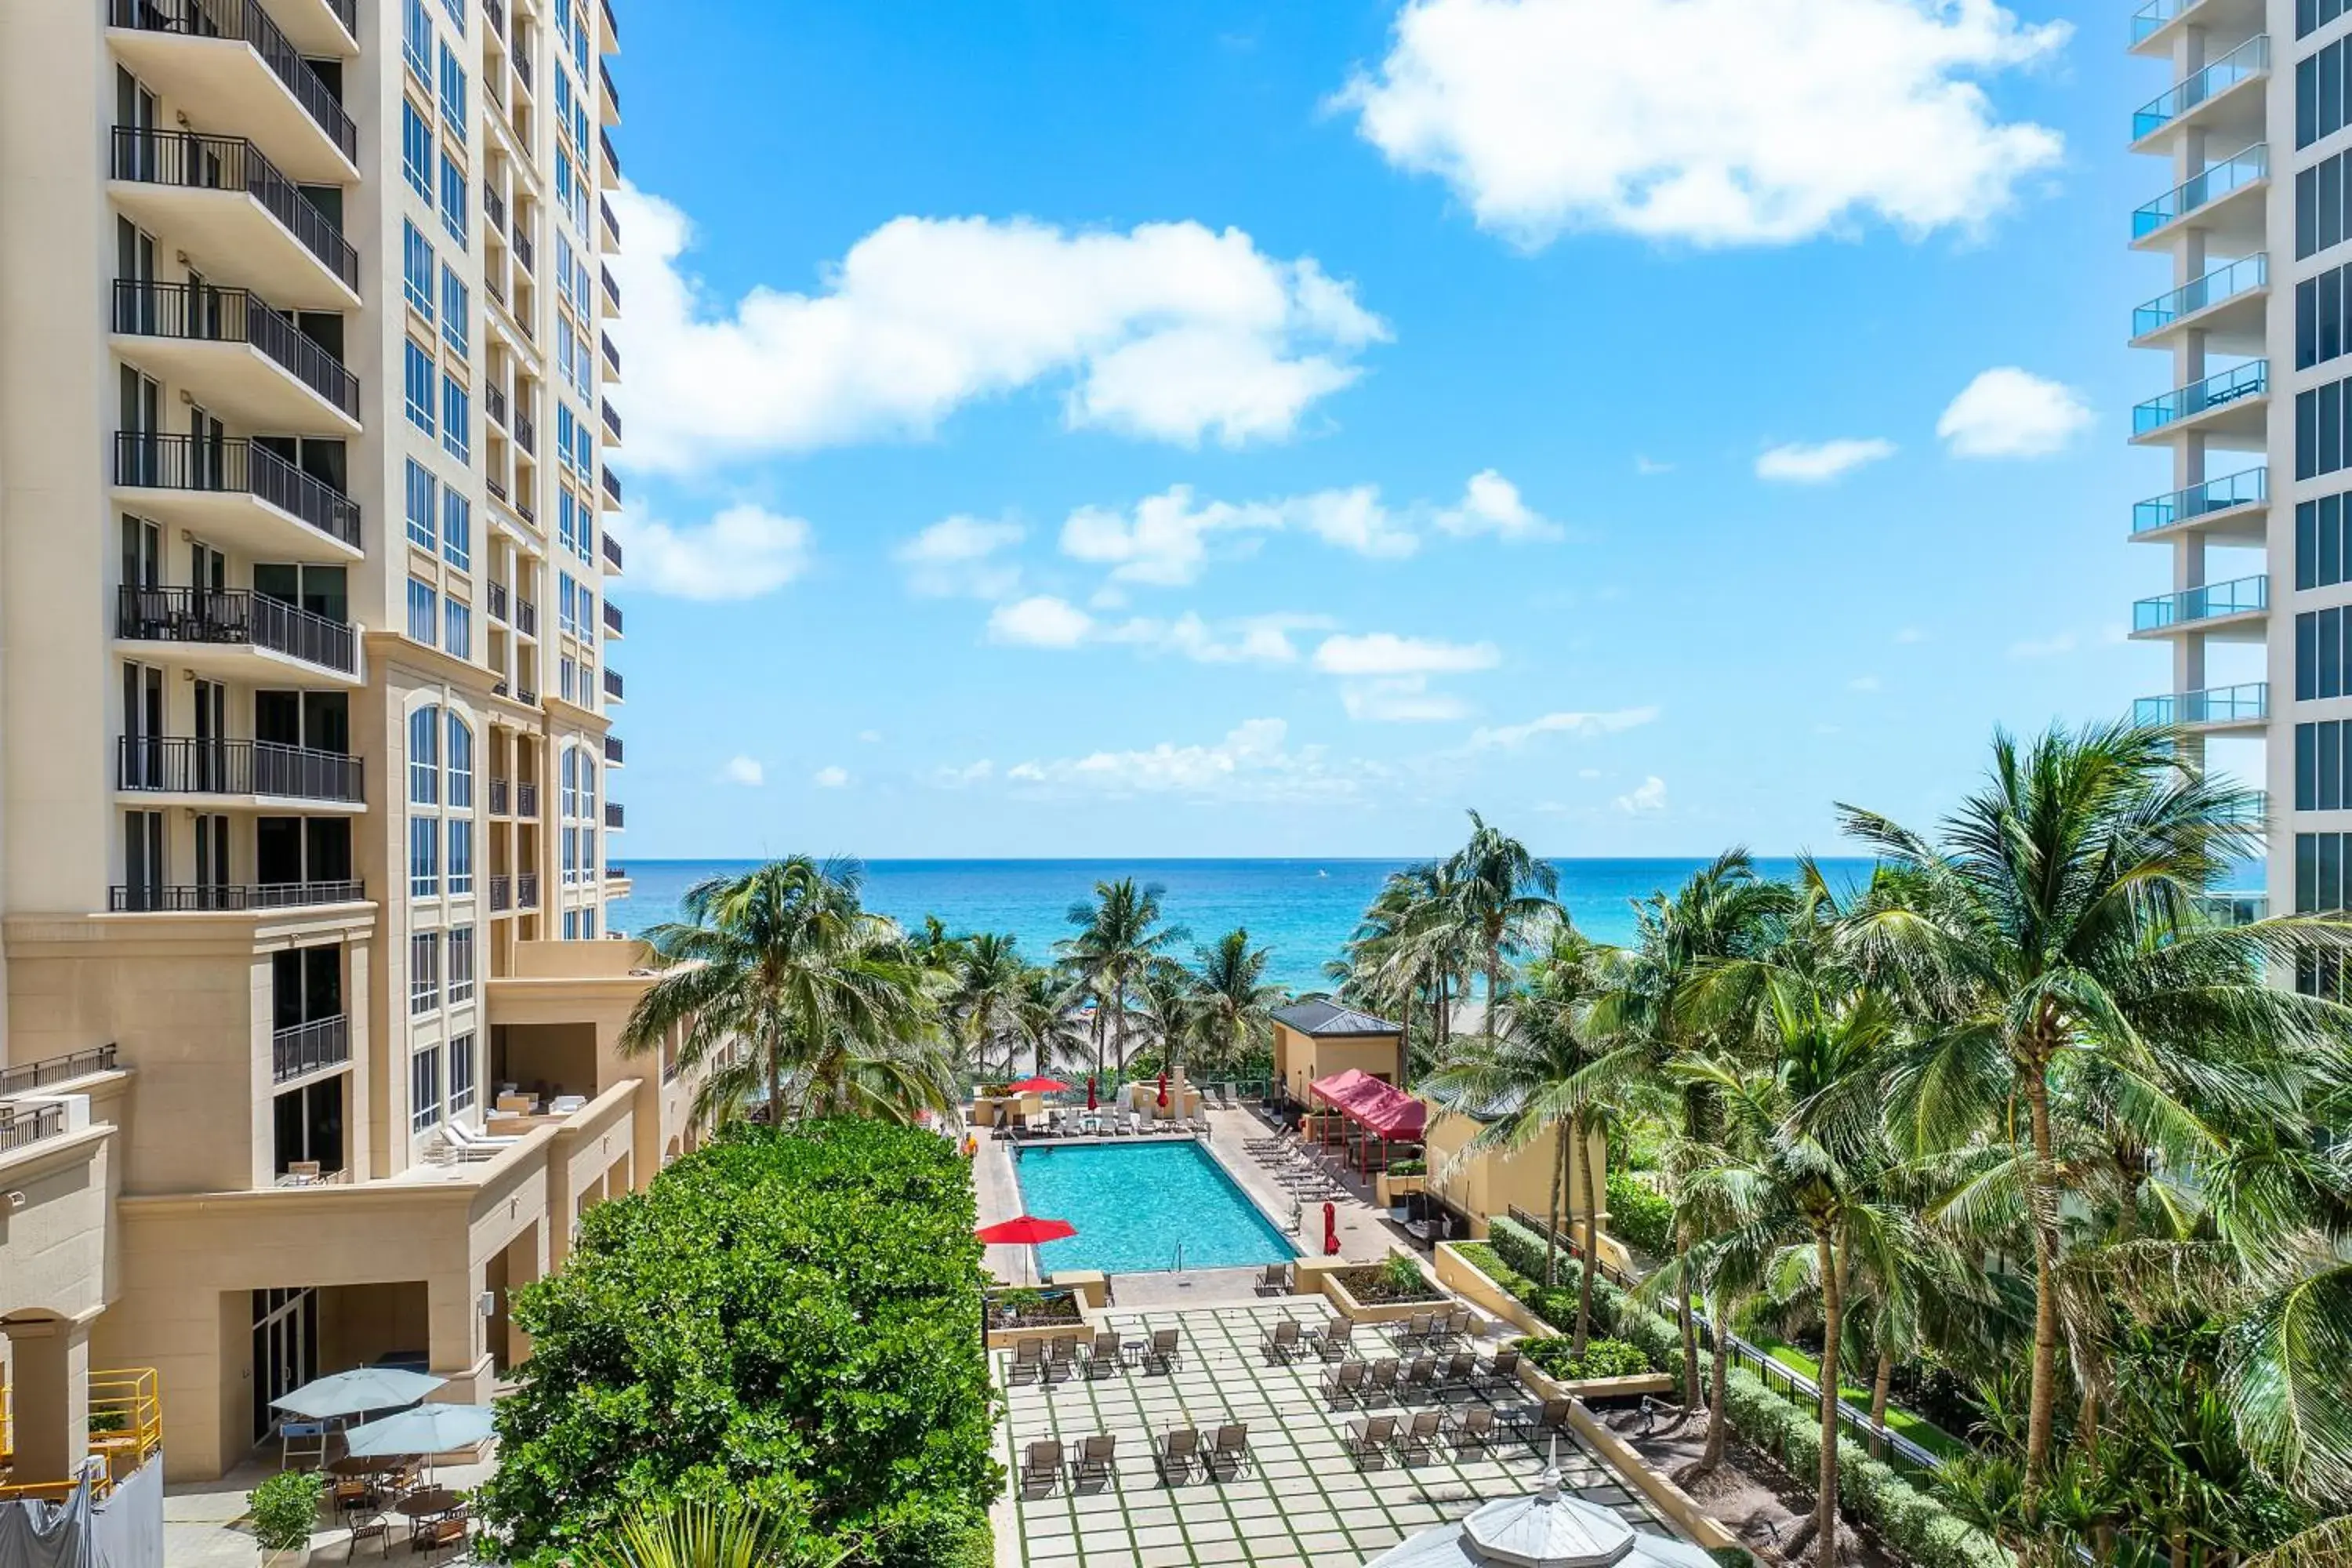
(126,1430)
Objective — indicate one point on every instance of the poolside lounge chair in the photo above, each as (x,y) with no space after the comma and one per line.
(1104,1353)
(1029,1356)
(1275,1280)
(1231,1452)
(1503,1367)
(1474,1428)
(1042,1465)
(1281,1340)
(472,1145)
(1460,1372)
(1533,1421)
(1420,1376)
(1176,1452)
(1416,1328)
(1343,1383)
(1162,1353)
(1381,1380)
(1062,1354)
(1336,1339)
(1462,1324)
(1094,1459)
(1418,1436)
(1369,1437)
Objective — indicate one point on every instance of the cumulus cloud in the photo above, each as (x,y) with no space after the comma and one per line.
(1399,699)
(1252,761)
(2010,412)
(1912,635)
(1040,621)
(1491,504)
(1645,798)
(1584,726)
(744,552)
(745,771)
(1172,332)
(1045,621)
(1712,121)
(1387,654)
(830,778)
(962,555)
(1800,463)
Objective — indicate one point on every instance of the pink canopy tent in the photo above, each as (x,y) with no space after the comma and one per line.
(1383,1110)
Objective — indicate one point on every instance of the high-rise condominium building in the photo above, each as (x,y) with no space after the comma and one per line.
(310,1047)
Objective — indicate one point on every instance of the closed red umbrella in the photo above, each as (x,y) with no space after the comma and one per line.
(1039,1086)
(1026,1231)
(1164,1091)
(1090,1091)
(1330,1230)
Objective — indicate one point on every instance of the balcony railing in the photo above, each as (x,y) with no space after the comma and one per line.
(2239,596)
(494,207)
(526,890)
(2248,487)
(201,313)
(612,545)
(2248,59)
(612,290)
(2206,186)
(2154,14)
(23,1126)
(528,696)
(612,364)
(604,75)
(501,794)
(2240,276)
(229,898)
(612,33)
(233,466)
(25,1076)
(501,892)
(612,419)
(604,141)
(179,765)
(494,400)
(527,256)
(613,618)
(308,1047)
(613,684)
(525,434)
(2235,909)
(613,751)
(612,479)
(248,22)
(496,487)
(497,600)
(526,619)
(527,798)
(2251,379)
(2249,702)
(191,162)
(614,818)
(497,12)
(237,616)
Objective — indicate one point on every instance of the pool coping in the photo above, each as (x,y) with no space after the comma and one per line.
(1216,1163)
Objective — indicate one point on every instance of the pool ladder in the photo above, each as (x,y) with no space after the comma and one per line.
(1180,1255)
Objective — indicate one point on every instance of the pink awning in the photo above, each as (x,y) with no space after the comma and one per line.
(1360,1097)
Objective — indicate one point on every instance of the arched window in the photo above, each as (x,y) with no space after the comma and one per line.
(461,765)
(587,788)
(424,756)
(571,781)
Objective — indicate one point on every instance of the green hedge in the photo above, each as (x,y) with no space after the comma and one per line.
(1640,1215)
(1917,1526)
(1602,1357)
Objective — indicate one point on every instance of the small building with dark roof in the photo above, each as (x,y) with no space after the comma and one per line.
(1320,1037)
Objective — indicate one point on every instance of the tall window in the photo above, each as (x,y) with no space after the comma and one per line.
(461,857)
(453,92)
(416,385)
(425,757)
(461,765)
(416,39)
(457,629)
(416,265)
(571,781)
(458,532)
(416,149)
(457,419)
(457,311)
(453,198)
(567,518)
(423,1088)
(423,857)
(424,972)
(461,1049)
(423,491)
(424,614)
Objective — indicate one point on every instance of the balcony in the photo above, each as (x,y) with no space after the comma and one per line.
(2234,908)
(615,872)
(2233,508)
(2228,406)
(611,546)
(612,618)
(612,158)
(494,207)
(22,1126)
(2242,707)
(222,200)
(496,600)
(612,422)
(616,819)
(527,799)
(501,797)
(501,892)
(238,633)
(526,890)
(528,696)
(264,771)
(612,224)
(495,13)
(613,684)
(613,751)
(309,1047)
(612,490)
(2241,604)
(612,292)
(2203,98)
(529,257)
(235,492)
(494,404)
(242,359)
(2223,197)
(26,1076)
(611,42)
(612,110)
(612,369)
(228,63)
(526,619)
(2228,304)
(525,434)
(2152,24)
(229,898)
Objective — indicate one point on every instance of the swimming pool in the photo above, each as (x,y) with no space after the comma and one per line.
(1133,1203)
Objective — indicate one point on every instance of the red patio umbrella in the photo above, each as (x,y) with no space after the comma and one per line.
(1090,1091)
(1164,1091)
(1330,1230)
(1026,1231)
(1038,1086)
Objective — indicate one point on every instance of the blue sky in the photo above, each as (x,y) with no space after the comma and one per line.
(1251,430)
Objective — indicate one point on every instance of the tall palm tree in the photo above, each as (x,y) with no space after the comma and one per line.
(1165,1009)
(1235,1004)
(823,997)
(1042,1023)
(986,976)
(1408,949)
(1119,935)
(2054,932)
(1501,894)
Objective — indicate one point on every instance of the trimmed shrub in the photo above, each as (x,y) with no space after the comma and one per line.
(285,1509)
(1639,1214)
(1601,1358)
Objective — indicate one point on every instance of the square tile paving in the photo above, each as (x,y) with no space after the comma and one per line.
(1302,1503)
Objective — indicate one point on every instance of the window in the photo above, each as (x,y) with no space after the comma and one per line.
(424,614)
(453,198)
(2319,317)
(587,616)
(423,1088)
(453,92)
(457,629)
(2319,204)
(416,39)
(571,855)
(2312,14)
(2319,662)
(2320,775)
(424,972)
(567,593)
(461,1049)
(2322,529)
(457,419)
(563,432)
(563,181)
(588,921)
(423,857)
(458,530)
(461,859)
(2318,872)
(572,925)
(416,149)
(571,781)
(567,519)
(2319,429)
(425,757)
(456,312)
(564,269)
(416,382)
(563,355)
(416,268)
(461,765)
(423,493)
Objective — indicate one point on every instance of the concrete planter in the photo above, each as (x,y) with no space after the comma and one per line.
(1549,1387)
(1391,1191)
(1470,1282)
(1378,1311)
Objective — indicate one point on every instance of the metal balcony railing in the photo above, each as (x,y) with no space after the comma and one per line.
(308,1047)
(497,12)
(2249,702)
(2240,276)
(501,891)
(201,313)
(610,156)
(612,751)
(614,872)
(612,33)
(526,890)
(497,598)
(234,465)
(502,795)
(2251,379)
(2248,487)
(612,364)
(2249,58)
(494,207)
(2211,601)
(612,290)
(614,818)
(604,75)
(611,547)
(526,619)
(32,1075)
(527,798)
(612,419)
(2203,188)
(191,162)
(22,1126)
(248,22)
(613,618)
(612,479)
(614,687)
(235,616)
(177,765)
(612,224)
(229,898)
(494,402)
(525,434)
(529,257)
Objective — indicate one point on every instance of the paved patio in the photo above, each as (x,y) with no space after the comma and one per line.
(204,1521)
(1304,1501)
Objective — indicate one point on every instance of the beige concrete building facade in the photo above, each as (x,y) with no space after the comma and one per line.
(308,1053)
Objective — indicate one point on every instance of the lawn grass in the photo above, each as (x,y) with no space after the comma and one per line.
(1917,1428)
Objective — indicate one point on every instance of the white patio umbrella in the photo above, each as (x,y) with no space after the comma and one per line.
(1549,1530)
(358,1391)
(427,1430)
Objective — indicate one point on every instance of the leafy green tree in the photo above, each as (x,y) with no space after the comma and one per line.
(1233,1015)
(1119,936)
(988,975)
(1042,1023)
(1407,955)
(1502,896)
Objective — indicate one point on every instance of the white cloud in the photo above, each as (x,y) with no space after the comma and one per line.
(744,552)
(1355,519)
(869,737)
(744,771)
(1797,462)
(830,778)
(1866,684)
(1399,699)
(1646,797)
(1650,467)
(1911,635)
(1040,621)
(960,555)
(1164,541)
(1715,121)
(1584,726)
(1171,331)
(1491,504)
(2044,648)
(1387,654)
(971,773)
(1255,639)
(1167,540)
(2010,412)
(1253,762)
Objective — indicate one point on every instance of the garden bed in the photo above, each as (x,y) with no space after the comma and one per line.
(1383,1285)
(1019,1308)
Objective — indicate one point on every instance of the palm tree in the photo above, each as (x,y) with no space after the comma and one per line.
(1041,1021)
(1164,1007)
(1500,893)
(1119,936)
(1235,1004)
(1408,949)
(2054,932)
(987,975)
(820,996)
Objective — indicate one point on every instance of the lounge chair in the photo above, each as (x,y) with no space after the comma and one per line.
(567,1104)
(1503,1367)
(1460,1372)
(1416,1328)
(1281,1340)
(1061,1355)
(1105,1355)
(1534,1420)
(1420,1376)
(1336,1339)
(1462,1324)
(1418,1436)
(1369,1437)
(1043,1463)
(1474,1428)
(1029,1356)
(472,1145)
(1381,1380)
(1275,1280)
(1094,1457)
(1231,1452)
(1163,1352)
(1176,1452)
(1343,1383)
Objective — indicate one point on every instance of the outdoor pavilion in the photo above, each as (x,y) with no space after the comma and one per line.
(1370,1112)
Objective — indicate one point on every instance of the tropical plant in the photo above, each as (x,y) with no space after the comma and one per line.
(1119,936)
(1407,956)
(1042,1023)
(987,977)
(1502,896)
(285,1509)
(721,1533)
(1233,1004)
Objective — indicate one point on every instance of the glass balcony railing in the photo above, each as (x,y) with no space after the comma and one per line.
(2206,186)
(2251,379)
(2154,14)
(2246,703)
(2211,601)
(2249,58)
(2242,276)
(2248,487)
(2235,909)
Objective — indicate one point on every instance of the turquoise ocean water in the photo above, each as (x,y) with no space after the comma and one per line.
(1302,910)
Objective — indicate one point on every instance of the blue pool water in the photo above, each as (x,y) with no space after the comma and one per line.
(1132,1203)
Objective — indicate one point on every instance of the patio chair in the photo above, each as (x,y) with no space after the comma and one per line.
(376,1527)
(1462,1324)
(1417,1437)
(1532,1421)
(1421,1376)
(447,1534)
(1043,1463)
(1164,1352)
(1416,1328)
(1381,1379)
(1275,1280)
(1231,1452)
(1460,1372)
(1061,1353)
(1503,1367)
(1176,1452)
(1029,1356)
(1337,1339)
(1474,1428)
(1281,1340)
(1094,1459)
(1343,1383)
(1369,1437)
(1105,1353)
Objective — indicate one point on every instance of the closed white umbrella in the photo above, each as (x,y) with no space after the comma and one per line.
(358,1391)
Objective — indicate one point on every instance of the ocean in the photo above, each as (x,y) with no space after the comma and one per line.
(1301,909)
